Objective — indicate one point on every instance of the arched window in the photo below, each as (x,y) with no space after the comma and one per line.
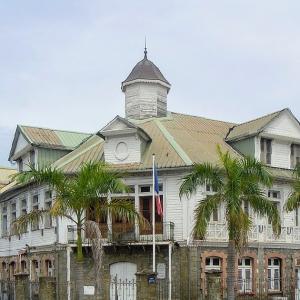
(23,266)
(4,270)
(12,270)
(35,267)
(213,263)
(245,265)
(49,267)
(274,274)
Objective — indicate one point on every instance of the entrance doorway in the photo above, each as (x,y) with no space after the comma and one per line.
(123,281)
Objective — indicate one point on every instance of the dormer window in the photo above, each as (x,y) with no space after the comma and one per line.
(295,155)
(265,151)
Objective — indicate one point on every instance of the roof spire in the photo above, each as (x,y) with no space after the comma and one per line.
(145,49)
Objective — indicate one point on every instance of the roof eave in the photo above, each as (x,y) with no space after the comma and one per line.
(142,80)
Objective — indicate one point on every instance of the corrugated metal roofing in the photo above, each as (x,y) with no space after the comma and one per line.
(90,150)
(252,127)
(53,138)
(5,176)
(177,141)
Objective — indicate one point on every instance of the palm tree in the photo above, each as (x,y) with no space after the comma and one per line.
(235,181)
(76,194)
(293,201)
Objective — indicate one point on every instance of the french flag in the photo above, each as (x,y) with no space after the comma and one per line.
(156,190)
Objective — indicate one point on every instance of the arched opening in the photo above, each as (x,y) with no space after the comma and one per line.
(4,270)
(35,270)
(23,266)
(49,268)
(12,270)
(123,280)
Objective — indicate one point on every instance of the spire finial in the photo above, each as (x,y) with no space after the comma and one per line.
(145,49)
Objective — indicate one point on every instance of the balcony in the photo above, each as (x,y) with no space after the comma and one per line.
(127,233)
(258,233)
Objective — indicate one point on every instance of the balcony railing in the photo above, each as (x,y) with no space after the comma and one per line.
(258,233)
(126,233)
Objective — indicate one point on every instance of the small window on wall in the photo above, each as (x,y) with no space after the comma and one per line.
(4,221)
(49,268)
(23,266)
(245,275)
(35,270)
(35,206)
(212,263)
(274,274)
(295,155)
(20,165)
(32,158)
(215,215)
(246,208)
(274,194)
(145,189)
(13,215)
(265,151)
(210,188)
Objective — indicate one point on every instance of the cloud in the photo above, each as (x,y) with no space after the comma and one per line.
(62,62)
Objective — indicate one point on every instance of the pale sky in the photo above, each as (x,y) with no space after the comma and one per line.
(62,61)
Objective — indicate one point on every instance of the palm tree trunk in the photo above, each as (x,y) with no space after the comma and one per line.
(79,243)
(231,266)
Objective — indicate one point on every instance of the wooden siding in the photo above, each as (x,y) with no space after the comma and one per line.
(48,156)
(133,144)
(245,146)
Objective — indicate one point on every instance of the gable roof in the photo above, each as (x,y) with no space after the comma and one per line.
(48,138)
(177,140)
(121,125)
(253,127)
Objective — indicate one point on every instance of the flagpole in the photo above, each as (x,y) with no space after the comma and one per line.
(153,212)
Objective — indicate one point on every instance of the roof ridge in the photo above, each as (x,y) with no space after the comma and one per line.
(169,137)
(53,129)
(200,117)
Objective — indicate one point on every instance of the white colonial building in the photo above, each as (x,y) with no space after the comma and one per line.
(178,141)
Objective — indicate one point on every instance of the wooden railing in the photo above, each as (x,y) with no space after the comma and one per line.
(259,233)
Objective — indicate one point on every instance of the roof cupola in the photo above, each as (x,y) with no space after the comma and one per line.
(146,91)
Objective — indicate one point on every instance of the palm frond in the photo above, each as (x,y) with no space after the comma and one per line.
(253,170)
(35,216)
(124,210)
(293,202)
(48,175)
(203,212)
(239,225)
(204,173)
(265,207)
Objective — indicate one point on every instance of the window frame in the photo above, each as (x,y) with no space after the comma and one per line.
(243,285)
(266,150)
(35,205)
(272,268)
